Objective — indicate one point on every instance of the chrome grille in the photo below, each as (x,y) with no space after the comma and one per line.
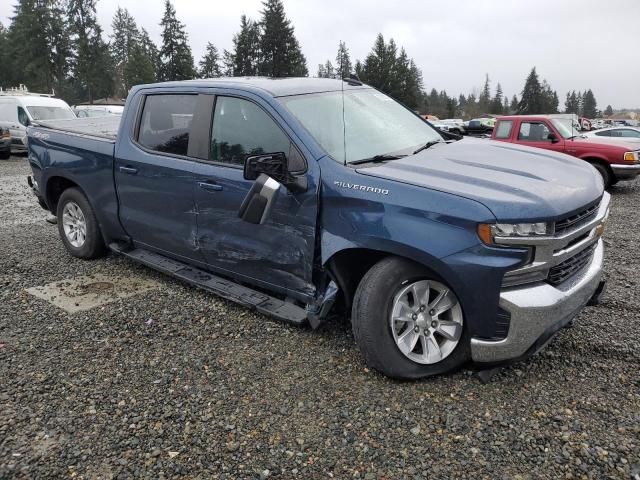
(571,266)
(574,220)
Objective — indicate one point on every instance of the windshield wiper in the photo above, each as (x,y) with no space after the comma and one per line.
(377,158)
(427,145)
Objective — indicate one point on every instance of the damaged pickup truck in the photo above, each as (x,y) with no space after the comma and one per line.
(303,197)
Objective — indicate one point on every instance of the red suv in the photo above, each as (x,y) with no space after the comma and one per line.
(614,160)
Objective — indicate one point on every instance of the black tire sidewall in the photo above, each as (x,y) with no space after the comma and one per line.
(372,329)
(604,173)
(93,246)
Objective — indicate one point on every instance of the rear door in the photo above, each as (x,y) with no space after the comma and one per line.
(280,252)
(154,175)
(535,133)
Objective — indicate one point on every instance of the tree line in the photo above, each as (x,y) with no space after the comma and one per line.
(59,45)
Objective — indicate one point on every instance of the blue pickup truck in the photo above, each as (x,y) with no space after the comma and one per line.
(301,198)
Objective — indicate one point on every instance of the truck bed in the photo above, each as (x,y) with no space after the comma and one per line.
(102,127)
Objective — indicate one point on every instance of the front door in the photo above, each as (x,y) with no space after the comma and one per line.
(155,180)
(280,252)
(536,134)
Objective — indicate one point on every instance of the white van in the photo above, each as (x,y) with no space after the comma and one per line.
(19,110)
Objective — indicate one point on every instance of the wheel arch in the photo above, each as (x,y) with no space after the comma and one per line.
(593,160)
(349,265)
(54,188)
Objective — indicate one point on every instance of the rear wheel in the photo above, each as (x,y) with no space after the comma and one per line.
(407,322)
(4,155)
(78,226)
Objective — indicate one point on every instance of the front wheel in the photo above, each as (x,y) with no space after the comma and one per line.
(604,172)
(407,322)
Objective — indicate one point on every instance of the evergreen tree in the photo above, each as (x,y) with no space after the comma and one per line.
(37,46)
(571,104)
(580,103)
(5,60)
(589,106)
(513,106)
(532,98)
(153,57)
(124,39)
(549,98)
(281,55)
(92,67)
(377,67)
(608,111)
(245,58)
(343,61)
(358,68)
(496,103)
(210,63)
(175,53)
(505,106)
(484,100)
(140,68)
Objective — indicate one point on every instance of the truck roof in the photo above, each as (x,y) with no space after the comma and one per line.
(276,87)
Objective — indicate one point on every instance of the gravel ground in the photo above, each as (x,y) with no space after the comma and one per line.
(175,383)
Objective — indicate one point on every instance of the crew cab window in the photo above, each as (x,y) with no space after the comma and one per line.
(240,129)
(504,129)
(166,123)
(533,132)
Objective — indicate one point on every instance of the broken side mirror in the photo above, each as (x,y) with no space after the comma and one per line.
(275,166)
(258,203)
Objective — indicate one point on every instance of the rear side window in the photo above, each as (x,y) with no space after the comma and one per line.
(503,129)
(166,123)
(606,133)
(240,129)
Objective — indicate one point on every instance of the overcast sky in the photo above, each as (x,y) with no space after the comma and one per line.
(575,44)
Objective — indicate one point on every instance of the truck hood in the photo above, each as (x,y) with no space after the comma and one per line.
(514,182)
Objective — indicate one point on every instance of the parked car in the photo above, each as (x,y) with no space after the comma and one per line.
(257,190)
(5,143)
(622,133)
(19,108)
(83,111)
(481,126)
(614,160)
(456,125)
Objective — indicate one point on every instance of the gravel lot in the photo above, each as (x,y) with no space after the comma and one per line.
(177,383)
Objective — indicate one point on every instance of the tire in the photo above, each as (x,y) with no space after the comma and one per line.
(4,155)
(377,295)
(604,172)
(75,215)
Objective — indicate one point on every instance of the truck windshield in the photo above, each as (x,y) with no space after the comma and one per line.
(374,124)
(39,112)
(566,127)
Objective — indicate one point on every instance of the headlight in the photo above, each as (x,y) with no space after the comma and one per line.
(630,156)
(488,232)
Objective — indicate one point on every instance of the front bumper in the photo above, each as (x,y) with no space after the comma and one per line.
(625,172)
(537,312)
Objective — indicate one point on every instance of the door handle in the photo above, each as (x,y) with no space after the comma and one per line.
(129,170)
(212,187)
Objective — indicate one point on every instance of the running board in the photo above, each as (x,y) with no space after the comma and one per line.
(224,288)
